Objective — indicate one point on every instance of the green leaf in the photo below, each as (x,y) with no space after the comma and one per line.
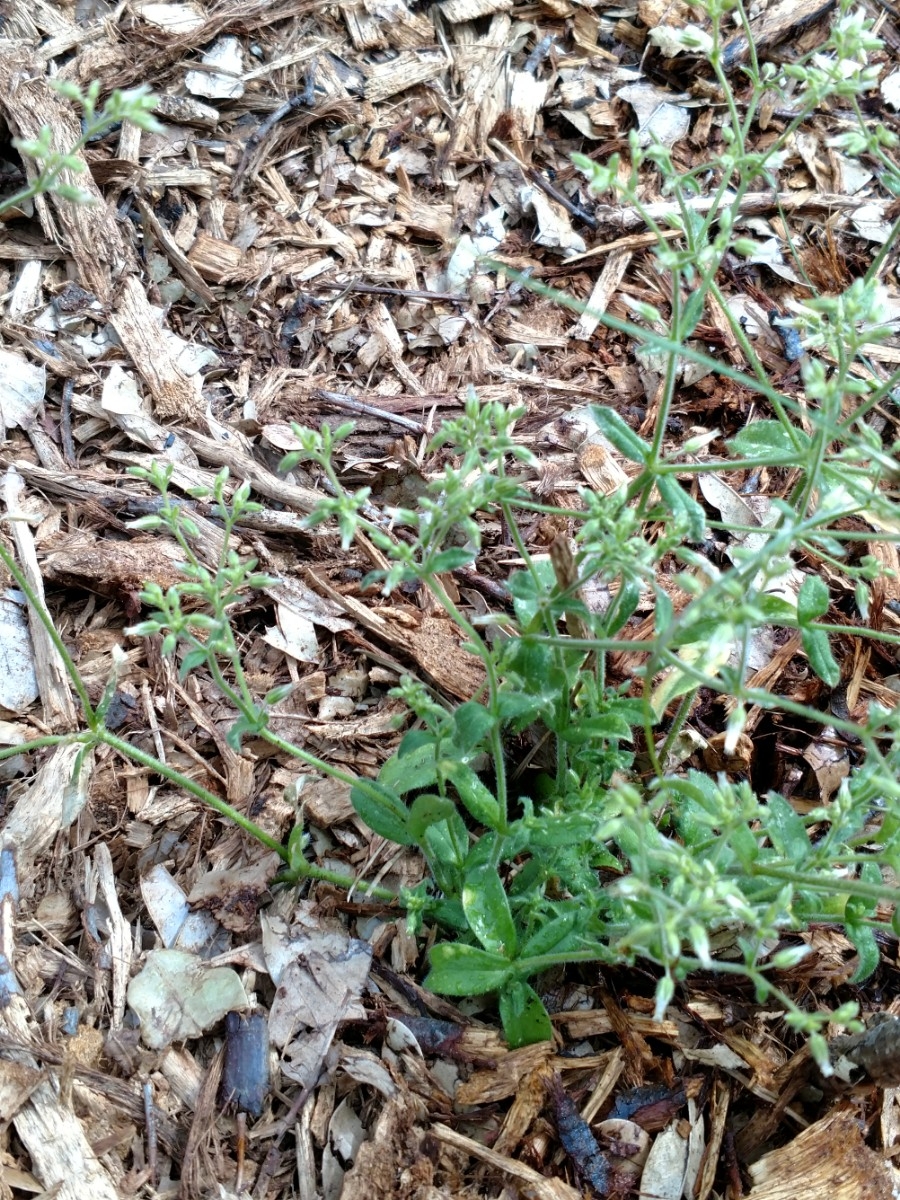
(591,729)
(864,906)
(890,828)
(486,906)
(414,740)
(775,610)
(74,792)
(550,936)
(428,810)
(863,938)
(525,1019)
(518,708)
(677,499)
(244,727)
(665,990)
(530,589)
(146,524)
(477,798)
(813,599)
(630,709)
(192,660)
(603,858)
(786,829)
(818,650)
(789,957)
(530,659)
(665,612)
(689,821)
(450,560)
(446,846)
(769,440)
(706,657)
(693,308)
(543,678)
(818,1048)
(551,831)
(383,811)
(697,787)
(482,852)
(448,913)
(414,770)
(297,842)
(277,695)
(627,600)
(459,970)
(744,845)
(473,723)
(622,436)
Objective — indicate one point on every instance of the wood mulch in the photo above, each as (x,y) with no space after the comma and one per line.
(299,244)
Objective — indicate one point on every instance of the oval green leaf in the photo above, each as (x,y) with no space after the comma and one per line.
(769,441)
(813,599)
(550,936)
(477,798)
(622,436)
(458,970)
(415,769)
(818,650)
(525,1019)
(428,810)
(383,811)
(487,910)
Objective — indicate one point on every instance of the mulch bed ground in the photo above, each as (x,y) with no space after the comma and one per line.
(299,244)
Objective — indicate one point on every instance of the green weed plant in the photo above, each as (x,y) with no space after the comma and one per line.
(593,860)
(51,165)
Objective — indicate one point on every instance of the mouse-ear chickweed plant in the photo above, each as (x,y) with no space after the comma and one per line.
(605,850)
(50,164)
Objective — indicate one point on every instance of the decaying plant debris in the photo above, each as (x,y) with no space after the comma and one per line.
(288,249)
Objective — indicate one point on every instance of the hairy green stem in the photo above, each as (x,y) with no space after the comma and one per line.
(831,884)
(135,754)
(347,883)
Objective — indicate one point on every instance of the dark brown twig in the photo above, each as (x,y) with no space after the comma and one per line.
(304,99)
(340,400)
(372,289)
(152,1135)
(65,423)
(539,181)
(570,206)
(488,587)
